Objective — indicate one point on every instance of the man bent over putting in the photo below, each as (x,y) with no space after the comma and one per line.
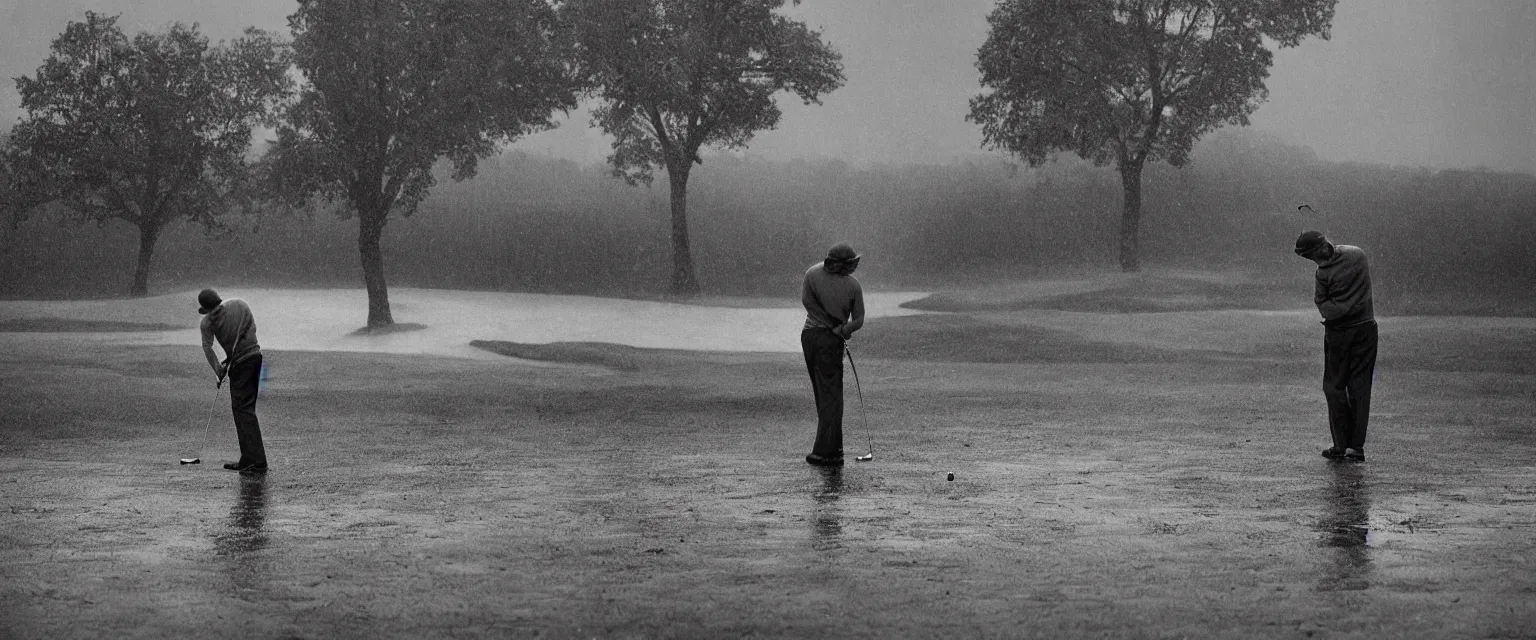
(834,306)
(231,323)
(1343,297)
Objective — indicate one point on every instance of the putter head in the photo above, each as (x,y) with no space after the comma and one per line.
(865,458)
(191,460)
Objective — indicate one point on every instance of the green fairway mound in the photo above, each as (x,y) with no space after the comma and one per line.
(398,327)
(1128,293)
(60,325)
(1506,300)
(733,302)
(1505,346)
(1160,294)
(971,339)
(616,356)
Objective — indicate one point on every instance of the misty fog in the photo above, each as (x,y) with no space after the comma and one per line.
(541,224)
(889,164)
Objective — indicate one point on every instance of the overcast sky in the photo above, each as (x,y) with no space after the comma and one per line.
(1439,83)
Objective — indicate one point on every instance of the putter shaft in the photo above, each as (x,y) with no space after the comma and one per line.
(863,413)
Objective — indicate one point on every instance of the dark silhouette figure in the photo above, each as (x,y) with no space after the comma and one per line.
(1343,297)
(231,324)
(834,307)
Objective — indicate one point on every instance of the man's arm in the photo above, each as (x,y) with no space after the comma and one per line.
(856,316)
(1326,304)
(213,360)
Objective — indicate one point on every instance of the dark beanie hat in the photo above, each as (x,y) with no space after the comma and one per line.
(1309,241)
(207,300)
(842,253)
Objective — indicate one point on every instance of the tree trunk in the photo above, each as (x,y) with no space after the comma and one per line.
(147,236)
(1130,217)
(370,228)
(683,280)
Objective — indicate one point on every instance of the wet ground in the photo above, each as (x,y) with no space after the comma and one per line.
(436,321)
(1116,475)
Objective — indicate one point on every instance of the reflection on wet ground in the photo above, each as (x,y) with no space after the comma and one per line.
(1345,529)
(826,518)
(244,535)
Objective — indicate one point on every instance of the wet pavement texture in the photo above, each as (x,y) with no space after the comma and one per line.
(1176,494)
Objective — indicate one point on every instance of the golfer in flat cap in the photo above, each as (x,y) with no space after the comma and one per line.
(231,324)
(834,307)
(1343,297)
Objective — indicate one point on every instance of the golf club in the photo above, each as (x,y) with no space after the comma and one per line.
(863,415)
(207,425)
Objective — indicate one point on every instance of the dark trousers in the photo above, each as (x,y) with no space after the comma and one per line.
(824,361)
(1349,365)
(244,378)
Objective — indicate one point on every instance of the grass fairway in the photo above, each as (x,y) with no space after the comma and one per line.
(1122,469)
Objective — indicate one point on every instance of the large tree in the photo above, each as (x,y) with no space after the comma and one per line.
(147,130)
(1129,81)
(393,86)
(675,76)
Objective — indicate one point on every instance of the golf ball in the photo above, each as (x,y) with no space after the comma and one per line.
(951,477)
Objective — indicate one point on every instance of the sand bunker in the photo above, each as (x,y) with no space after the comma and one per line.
(328,319)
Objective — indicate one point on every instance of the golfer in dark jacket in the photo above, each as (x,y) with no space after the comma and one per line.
(1343,296)
(231,324)
(834,307)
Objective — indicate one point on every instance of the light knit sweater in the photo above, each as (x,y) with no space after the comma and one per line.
(1343,293)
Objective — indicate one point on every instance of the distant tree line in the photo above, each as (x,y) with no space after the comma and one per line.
(540,224)
(373,101)
(157,127)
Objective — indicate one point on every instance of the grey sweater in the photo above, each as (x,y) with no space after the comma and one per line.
(831,300)
(1344,289)
(228,324)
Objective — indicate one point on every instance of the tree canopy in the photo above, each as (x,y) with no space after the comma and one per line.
(1129,81)
(393,86)
(146,130)
(22,183)
(675,76)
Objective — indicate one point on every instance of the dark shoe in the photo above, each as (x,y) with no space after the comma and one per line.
(824,461)
(1354,455)
(1333,453)
(236,466)
(254,470)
